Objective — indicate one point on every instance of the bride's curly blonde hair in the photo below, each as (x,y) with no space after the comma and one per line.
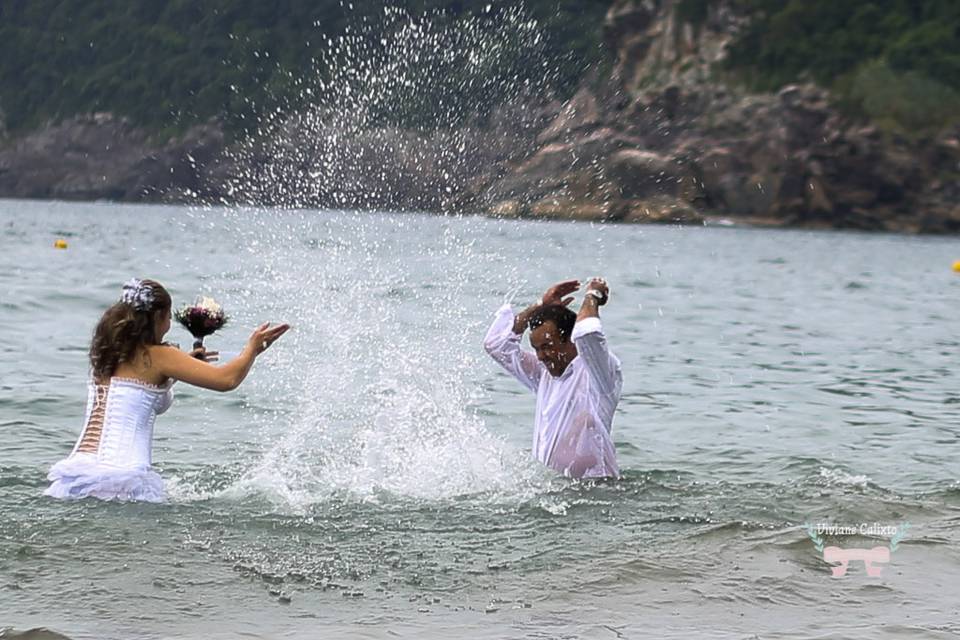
(128,326)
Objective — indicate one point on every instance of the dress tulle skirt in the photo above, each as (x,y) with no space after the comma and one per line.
(78,477)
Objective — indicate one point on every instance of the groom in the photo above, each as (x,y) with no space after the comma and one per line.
(576,378)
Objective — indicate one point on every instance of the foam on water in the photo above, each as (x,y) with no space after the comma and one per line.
(841,478)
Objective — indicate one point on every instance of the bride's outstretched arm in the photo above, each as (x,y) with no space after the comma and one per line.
(177,365)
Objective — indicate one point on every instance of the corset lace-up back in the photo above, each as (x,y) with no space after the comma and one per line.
(90,439)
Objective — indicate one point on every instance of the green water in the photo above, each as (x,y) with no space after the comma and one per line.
(372,477)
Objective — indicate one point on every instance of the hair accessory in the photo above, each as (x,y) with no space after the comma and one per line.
(137,294)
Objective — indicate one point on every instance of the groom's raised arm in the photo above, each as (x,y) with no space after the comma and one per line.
(592,343)
(502,342)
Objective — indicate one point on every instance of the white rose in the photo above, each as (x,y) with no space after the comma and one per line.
(209,304)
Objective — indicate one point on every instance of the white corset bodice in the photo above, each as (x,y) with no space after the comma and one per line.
(114,463)
(128,418)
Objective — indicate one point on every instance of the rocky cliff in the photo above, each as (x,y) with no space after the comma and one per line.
(104,157)
(666,141)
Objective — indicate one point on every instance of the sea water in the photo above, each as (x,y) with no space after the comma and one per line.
(373,477)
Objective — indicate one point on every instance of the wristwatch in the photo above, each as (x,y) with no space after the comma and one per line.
(596,294)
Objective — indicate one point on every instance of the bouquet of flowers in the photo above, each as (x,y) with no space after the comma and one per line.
(203,318)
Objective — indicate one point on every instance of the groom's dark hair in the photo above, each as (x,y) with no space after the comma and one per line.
(563,317)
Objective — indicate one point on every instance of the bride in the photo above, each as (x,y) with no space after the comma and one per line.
(132,374)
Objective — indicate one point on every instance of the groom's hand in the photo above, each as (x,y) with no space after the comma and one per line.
(556,293)
(600,286)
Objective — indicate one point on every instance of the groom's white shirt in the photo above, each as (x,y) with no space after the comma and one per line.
(574,412)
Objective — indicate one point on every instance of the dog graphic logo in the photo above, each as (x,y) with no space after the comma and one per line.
(840,558)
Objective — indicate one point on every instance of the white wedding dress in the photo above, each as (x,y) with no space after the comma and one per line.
(112,457)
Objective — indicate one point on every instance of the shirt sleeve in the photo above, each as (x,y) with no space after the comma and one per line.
(603,366)
(503,345)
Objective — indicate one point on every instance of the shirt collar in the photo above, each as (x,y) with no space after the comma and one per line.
(566,372)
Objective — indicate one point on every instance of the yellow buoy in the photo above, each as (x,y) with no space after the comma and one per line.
(59,243)
(956,266)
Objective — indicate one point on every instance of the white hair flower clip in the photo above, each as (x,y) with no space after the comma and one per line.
(137,294)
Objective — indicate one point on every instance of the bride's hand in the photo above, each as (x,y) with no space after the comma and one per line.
(264,336)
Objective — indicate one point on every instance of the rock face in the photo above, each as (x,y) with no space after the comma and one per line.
(666,142)
(104,157)
(322,159)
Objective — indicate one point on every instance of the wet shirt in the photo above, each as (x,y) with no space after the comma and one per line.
(575,410)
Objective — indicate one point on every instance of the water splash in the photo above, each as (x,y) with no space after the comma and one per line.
(381,393)
(403,114)
(840,478)
(383,390)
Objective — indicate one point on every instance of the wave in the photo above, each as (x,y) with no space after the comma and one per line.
(40,633)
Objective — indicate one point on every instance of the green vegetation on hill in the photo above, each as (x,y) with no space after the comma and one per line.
(167,64)
(896,61)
